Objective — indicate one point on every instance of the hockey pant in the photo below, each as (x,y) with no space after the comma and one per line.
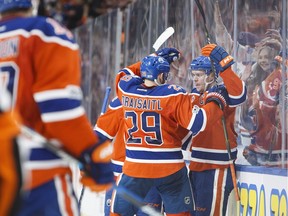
(211,189)
(152,199)
(54,198)
(174,189)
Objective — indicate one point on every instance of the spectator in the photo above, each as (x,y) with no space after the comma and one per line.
(267,136)
(253,79)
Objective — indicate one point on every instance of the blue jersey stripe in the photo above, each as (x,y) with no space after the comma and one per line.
(57,105)
(154,155)
(117,168)
(237,101)
(213,155)
(38,154)
(198,122)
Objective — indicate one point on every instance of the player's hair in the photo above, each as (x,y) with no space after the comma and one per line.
(14,5)
(152,66)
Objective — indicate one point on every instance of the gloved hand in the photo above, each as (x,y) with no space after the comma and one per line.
(97,167)
(219,95)
(170,54)
(250,156)
(218,55)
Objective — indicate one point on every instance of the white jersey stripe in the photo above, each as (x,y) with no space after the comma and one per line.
(63,115)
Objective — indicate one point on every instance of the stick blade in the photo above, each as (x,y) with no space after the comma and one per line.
(163,37)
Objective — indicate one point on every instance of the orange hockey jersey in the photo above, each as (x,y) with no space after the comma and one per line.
(115,130)
(152,117)
(40,66)
(110,126)
(208,149)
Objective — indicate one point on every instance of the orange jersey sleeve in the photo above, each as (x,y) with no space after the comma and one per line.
(111,126)
(10,174)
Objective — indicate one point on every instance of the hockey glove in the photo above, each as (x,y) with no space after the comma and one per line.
(250,156)
(218,55)
(170,54)
(219,95)
(98,174)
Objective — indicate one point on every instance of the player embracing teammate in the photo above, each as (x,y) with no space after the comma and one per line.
(153,114)
(153,120)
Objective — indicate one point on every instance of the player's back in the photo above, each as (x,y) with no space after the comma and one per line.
(45,88)
(152,120)
(24,43)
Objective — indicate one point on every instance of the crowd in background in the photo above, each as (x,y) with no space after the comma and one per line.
(73,13)
(258,42)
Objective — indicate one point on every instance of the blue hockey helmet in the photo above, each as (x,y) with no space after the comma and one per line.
(202,63)
(6,5)
(152,66)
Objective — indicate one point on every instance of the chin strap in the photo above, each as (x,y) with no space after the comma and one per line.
(159,84)
(209,84)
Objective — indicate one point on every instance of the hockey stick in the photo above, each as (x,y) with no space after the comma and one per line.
(163,37)
(204,20)
(103,110)
(51,146)
(105,100)
(227,142)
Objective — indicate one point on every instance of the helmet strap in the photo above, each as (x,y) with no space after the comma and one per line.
(208,84)
(159,78)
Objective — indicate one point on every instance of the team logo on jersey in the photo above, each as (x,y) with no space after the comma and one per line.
(195,109)
(187,200)
(108,202)
(192,98)
(201,99)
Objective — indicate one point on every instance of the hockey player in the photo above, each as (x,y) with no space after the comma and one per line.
(115,130)
(153,111)
(46,91)
(210,174)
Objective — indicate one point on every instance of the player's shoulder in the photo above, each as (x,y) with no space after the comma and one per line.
(44,27)
(128,80)
(115,103)
(51,28)
(170,89)
(194,91)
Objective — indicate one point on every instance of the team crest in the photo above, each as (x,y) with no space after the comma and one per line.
(187,200)
(195,109)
